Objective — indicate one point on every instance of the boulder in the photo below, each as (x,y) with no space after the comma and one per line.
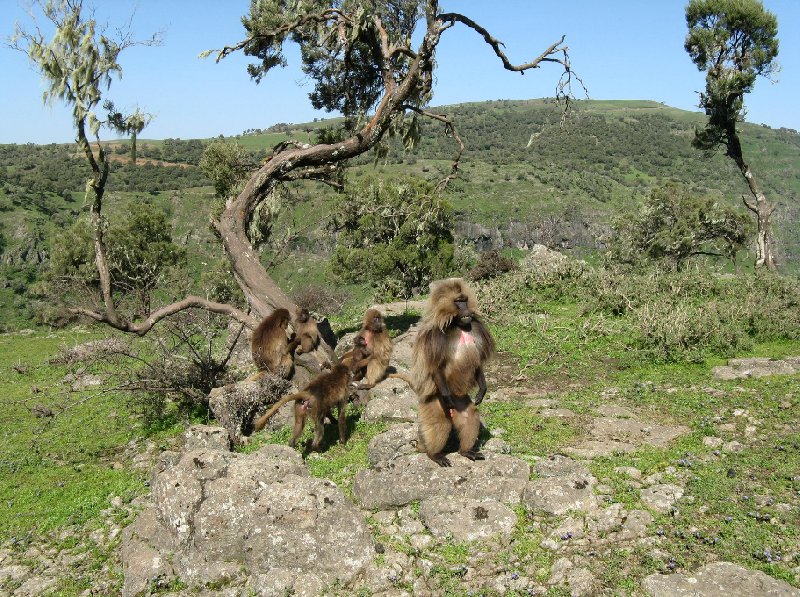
(235,406)
(385,447)
(416,477)
(467,519)
(559,495)
(222,517)
(719,579)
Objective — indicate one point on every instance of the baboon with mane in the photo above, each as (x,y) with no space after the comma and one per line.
(449,354)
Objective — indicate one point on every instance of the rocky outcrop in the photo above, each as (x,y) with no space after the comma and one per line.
(719,579)
(416,477)
(256,521)
(756,367)
(235,406)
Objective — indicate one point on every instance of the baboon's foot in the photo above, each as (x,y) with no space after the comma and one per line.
(473,455)
(440,459)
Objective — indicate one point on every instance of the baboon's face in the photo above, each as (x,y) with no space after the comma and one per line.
(373,321)
(463,317)
(303,316)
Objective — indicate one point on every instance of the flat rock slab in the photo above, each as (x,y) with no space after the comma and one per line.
(661,497)
(756,367)
(635,431)
(614,410)
(559,495)
(416,477)
(467,519)
(720,579)
(556,413)
(594,448)
(619,432)
(395,408)
(557,465)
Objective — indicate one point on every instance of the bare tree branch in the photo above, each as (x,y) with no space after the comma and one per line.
(495,44)
(450,131)
(190,302)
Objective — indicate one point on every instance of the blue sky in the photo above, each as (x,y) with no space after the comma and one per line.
(622,49)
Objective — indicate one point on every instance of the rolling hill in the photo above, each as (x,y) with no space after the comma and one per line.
(525,178)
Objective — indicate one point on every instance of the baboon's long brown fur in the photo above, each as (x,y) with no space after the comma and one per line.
(305,327)
(379,346)
(271,348)
(317,400)
(454,353)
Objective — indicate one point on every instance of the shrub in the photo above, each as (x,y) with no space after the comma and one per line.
(491,264)
(394,233)
(321,299)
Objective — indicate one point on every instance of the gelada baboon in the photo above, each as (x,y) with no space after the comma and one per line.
(379,347)
(317,400)
(305,327)
(272,350)
(357,358)
(449,354)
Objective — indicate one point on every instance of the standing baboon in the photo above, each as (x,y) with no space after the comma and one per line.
(305,327)
(379,347)
(449,353)
(272,350)
(317,400)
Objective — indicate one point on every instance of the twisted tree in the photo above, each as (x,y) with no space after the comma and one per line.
(734,41)
(363,63)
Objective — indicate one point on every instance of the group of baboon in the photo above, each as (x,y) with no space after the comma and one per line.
(449,354)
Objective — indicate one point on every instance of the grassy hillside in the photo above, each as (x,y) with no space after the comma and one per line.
(524,179)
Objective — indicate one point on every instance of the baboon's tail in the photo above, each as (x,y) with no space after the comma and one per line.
(263,419)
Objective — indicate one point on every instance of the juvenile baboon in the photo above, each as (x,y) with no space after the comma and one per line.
(272,350)
(317,400)
(305,327)
(451,348)
(358,358)
(379,347)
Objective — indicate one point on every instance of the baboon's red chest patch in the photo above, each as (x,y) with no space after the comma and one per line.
(466,338)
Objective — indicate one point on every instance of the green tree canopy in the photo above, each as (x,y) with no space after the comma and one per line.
(734,42)
(393,233)
(674,225)
(140,250)
(226,164)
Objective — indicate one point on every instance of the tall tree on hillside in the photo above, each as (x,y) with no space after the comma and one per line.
(77,65)
(734,41)
(127,124)
(362,62)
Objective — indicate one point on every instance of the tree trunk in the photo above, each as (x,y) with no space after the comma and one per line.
(133,148)
(765,243)
(298,161)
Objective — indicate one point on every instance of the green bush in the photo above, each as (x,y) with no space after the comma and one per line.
(491,264)
(683,316)
(393,233)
